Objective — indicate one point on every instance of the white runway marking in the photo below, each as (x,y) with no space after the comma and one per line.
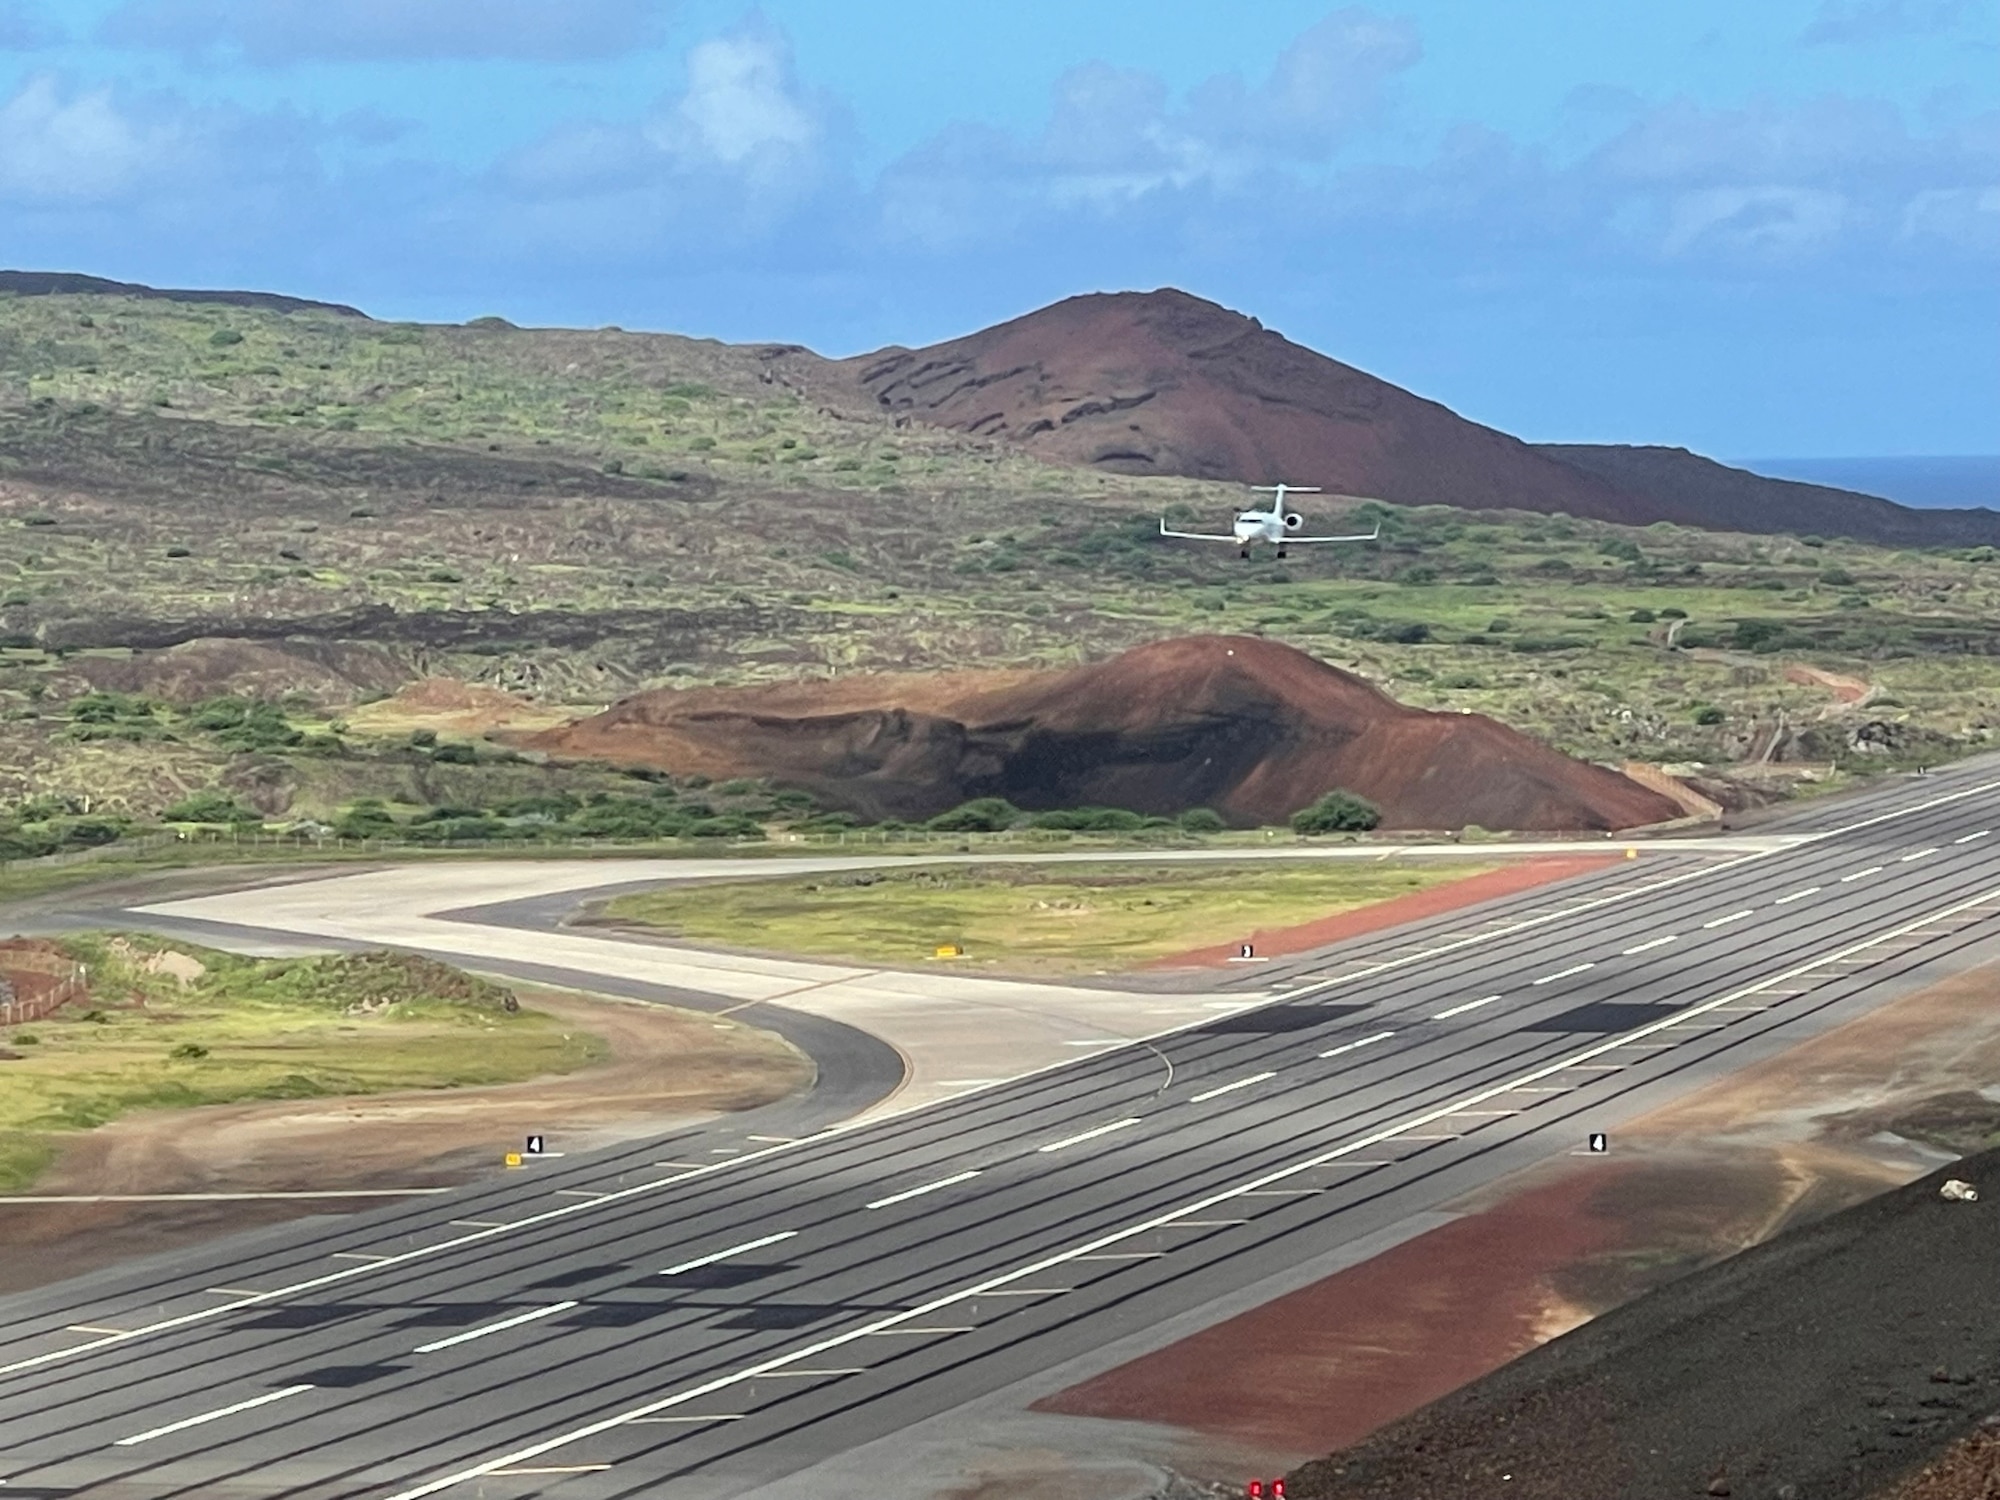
(1983,833)
(743,1249)
(1366,1041)
(1103,1041)
(1180,1218)
(1916,854)
(1459,1010)
(929,1187)
(1227,1088)
(1658,942)
(1735,916)
(532,1315)
(1811,890)
(1088,1135)
(1565,973)
(210,1416)
(1861,874)
(217,1197)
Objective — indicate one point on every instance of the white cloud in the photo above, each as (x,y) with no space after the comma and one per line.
(743,103)
(1962,218)
(70,148)
(275,33)
(1764,222)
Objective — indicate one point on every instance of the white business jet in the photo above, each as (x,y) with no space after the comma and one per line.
(1276,525)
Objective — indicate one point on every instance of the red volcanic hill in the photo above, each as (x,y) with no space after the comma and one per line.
(1249,727)
(1166,383)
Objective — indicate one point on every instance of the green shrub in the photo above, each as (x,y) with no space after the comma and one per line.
(1642,617)
(1709,713)
(210,805)
(1337,812)
(222,338)
(1836,577)
(1201,820)
(981,815)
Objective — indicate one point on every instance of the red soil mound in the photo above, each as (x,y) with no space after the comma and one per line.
(1165,383)
(1251,728)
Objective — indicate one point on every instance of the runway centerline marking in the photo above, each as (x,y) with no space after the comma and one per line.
(1983,833)
(530,1316)
(1366,1041)
(929,1187)
(1658,942)
(1227,1088)
(1089,1135)
(1613,898)
(1811,890)
(743,1249)
(1917,854)
(210,1416)
(314,1283)
(1095,1247)
(1861,874)
(1458,1010)
(1735,916)
(1565,973)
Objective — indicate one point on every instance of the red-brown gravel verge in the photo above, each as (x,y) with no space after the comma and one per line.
(1489,885)
(1330,1363)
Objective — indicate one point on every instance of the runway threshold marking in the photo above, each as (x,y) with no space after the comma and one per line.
(1089,1135)
(1183,1217)
(929,1187)
(743,1249)
(533,1314)
(1227,1088)
(210,1416)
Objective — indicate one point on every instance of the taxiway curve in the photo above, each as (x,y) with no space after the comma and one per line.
(650,1322)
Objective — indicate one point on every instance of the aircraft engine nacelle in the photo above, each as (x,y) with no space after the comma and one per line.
(1294,521)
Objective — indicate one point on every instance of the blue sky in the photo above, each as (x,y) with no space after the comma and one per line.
(1745,229)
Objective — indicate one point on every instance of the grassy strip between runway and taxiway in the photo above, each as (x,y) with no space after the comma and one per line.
(172,1025)
(1025,919)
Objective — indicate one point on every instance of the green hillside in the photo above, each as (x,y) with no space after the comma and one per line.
(570,515)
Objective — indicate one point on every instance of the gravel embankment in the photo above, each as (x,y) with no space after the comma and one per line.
(1836,1360)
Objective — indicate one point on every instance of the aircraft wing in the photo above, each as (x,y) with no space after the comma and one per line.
(1197,536)
(1366,536)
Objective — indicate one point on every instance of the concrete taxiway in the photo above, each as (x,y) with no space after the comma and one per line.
(720,1314)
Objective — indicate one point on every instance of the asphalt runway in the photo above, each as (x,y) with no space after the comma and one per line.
(718,1313)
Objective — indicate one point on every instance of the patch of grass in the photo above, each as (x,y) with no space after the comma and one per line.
(173,1026)
(1081,918)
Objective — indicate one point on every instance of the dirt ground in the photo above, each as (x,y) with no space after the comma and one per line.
(1782,1144)
(1490,885)
(666,1066)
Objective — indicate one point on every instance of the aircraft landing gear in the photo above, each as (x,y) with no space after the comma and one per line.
(1245,554)
(1281,554)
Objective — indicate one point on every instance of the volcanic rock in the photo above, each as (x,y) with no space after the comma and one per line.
(1249,727)
(1166,383)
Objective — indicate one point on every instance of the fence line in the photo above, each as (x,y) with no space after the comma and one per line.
(14,1010)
